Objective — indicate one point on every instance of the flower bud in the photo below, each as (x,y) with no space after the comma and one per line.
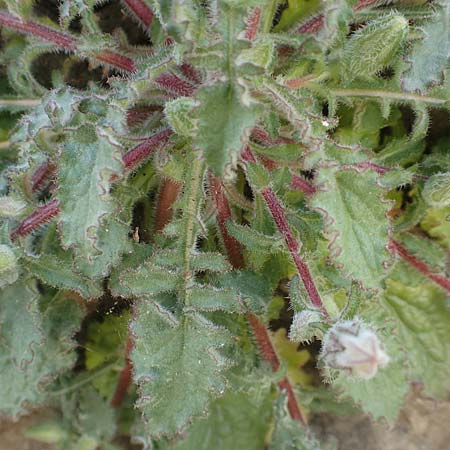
(436,192)
(373,47)
(303,329)
(9,271)
(353,346)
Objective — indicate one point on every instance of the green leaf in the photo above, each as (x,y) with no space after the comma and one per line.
(149,280)
(237,420)
(176,366)
(59,274)
(225,120)
(428,57)
(35,344)
(424,323)
(88,161)
(355,221)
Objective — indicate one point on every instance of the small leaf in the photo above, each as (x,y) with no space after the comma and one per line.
(225,121)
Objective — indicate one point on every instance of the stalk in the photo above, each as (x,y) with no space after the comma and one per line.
(125,376)
(166,198)
(140,10)
(223,214)
(43,214)
(421,266)
(141,152)
(253,22)
(63,41)
(279,217)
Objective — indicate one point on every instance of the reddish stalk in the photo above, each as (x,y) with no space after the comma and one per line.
(253,24)
(191,73)
(46,33)
(140,10)
(141,152)
(64,41)
(223,215)
(125,376)
(301,184)
(166,198)
(42,175)
(174,85)
(279,217)
(421,266)
(43,214)
(259,330)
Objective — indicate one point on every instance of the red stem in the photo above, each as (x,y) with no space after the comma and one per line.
(279,217)
(174,85)
(43,214)
(253,24)
(233,249)
(62,40)
(125,377)
(141,152)
(191,73)
(141,10)
(223,215)
(166,198)
(301,184)
(42,175)
(421,266)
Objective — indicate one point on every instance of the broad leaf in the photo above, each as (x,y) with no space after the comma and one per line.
(424,323)
(355,221)
(176,366)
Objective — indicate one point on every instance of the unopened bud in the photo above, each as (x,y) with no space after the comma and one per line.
(436,192)
(304,326)
(372,48)
(353,346)
(9,271)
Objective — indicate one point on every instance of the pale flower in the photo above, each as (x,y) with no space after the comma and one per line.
(353,346)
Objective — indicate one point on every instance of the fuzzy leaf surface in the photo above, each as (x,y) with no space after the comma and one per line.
(355,221)
(88,161)
(176,365)
(224,124)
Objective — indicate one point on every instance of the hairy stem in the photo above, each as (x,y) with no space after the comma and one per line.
(279,217)
(233,248)
(223,215)
(125,376)
(301,184)
(166,198)
(43,214)
(62,40)
(141,152)
(253,22)
(140,10)
(421,266)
